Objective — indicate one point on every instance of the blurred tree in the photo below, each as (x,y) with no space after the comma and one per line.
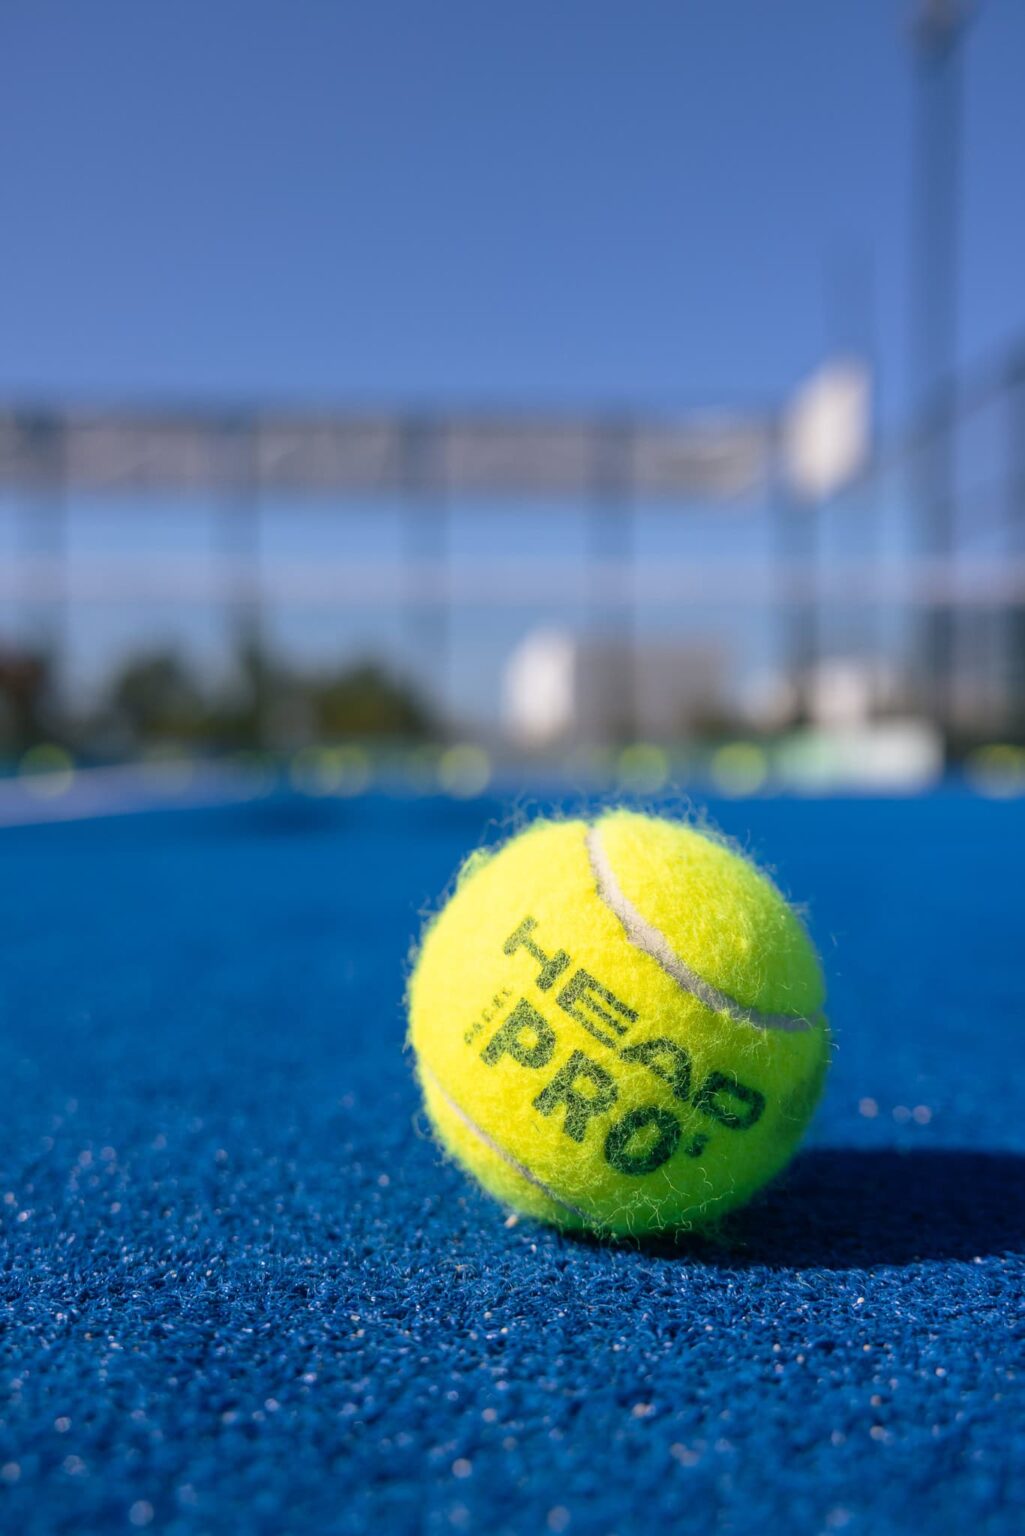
(273,705)
(157,698)
(366,701)
(24,689)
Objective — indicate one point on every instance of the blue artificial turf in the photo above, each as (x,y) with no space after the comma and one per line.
(240,1290)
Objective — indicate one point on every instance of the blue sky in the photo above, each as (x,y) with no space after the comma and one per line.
(554,201)
(657,204)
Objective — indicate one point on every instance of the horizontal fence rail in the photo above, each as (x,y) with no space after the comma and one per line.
(711,455)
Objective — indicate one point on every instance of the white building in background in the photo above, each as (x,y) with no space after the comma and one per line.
(560,688)
(827,431)
(839,691)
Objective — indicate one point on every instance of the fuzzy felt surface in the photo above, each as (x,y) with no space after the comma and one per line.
(239,1289)
(570,1072)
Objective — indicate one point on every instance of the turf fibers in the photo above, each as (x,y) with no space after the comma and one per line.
(240,1290)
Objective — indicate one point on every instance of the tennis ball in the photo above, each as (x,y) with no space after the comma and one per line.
(618,1025)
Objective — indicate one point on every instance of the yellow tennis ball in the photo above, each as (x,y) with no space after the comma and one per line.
(618,1025)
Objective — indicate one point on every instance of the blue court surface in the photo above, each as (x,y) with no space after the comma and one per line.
(242,1291)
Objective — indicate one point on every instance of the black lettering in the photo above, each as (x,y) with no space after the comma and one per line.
(513,1038)
(551,967)
(580,1107)
(749,1103)
(667,1060)
(582,991)
(643,1140)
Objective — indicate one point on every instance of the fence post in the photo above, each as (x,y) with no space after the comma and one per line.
(46,613)
(425,515)
(1014,625)
(612,518)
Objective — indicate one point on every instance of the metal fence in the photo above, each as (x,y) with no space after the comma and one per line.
(437,543)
